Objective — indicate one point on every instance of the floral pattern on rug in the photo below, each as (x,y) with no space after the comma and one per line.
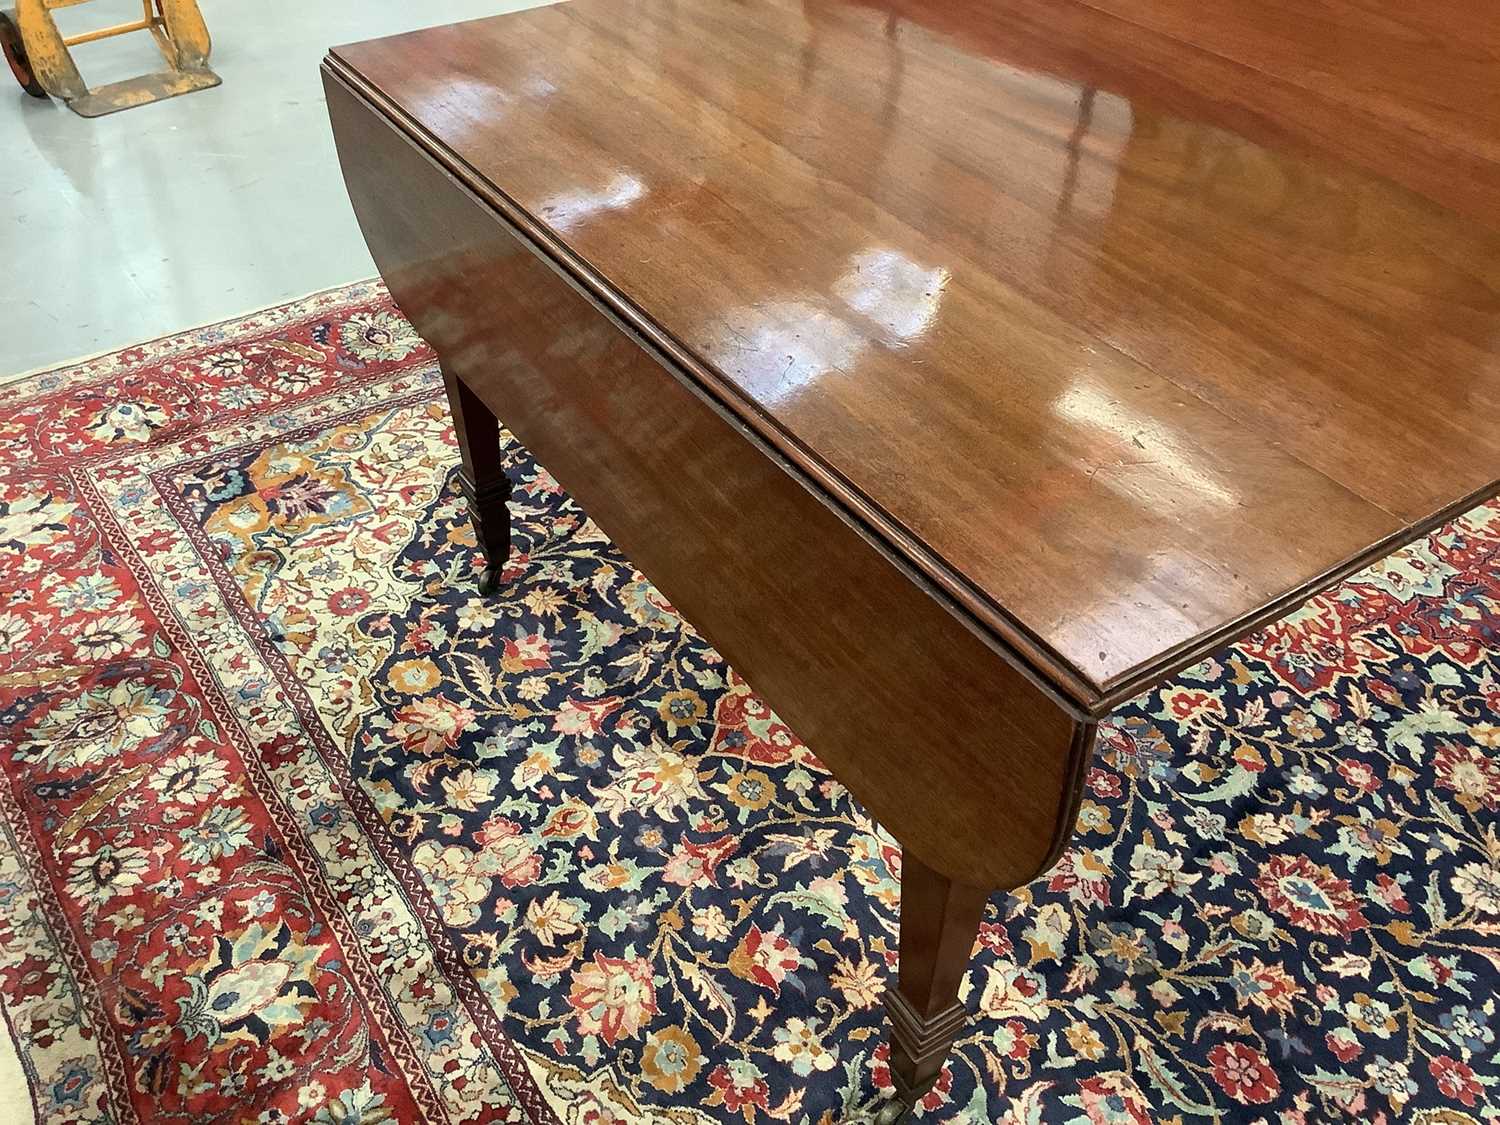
(298,827)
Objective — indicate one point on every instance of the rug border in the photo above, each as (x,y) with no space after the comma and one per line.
(515,1071)
(90,357)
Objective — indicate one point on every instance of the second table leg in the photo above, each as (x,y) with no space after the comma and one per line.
(939,922)
(482,477)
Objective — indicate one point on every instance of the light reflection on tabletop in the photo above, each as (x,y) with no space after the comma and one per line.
(564,212)
(899,297)
(779,349)
(1145,441)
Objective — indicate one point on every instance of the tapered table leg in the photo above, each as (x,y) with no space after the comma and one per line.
(482,477)
(939,922)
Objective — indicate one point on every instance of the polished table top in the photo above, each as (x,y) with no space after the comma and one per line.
(1123,351)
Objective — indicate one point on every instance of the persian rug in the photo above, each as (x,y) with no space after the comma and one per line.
(299,828)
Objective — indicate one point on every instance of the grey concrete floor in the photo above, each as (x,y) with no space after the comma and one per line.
(126,227)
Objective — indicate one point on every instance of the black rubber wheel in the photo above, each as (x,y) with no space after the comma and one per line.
(15,55)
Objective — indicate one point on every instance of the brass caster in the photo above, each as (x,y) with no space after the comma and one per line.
(489,580)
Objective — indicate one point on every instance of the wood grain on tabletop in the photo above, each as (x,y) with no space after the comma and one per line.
(1121,343)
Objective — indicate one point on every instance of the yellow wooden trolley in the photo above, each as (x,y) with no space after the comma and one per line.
(40,59)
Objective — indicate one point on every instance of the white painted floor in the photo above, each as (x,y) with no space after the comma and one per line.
(126,227)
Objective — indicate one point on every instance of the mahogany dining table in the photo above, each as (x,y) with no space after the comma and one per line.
(959,368)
